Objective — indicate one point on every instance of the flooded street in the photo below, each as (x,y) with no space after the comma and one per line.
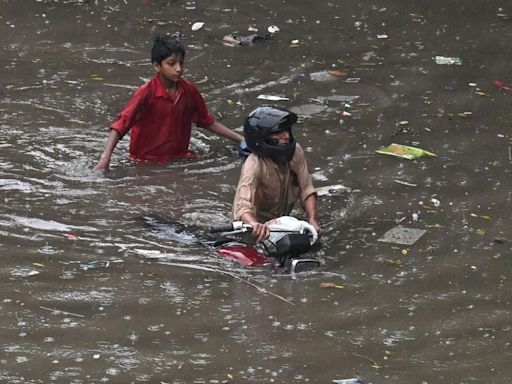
(114,279)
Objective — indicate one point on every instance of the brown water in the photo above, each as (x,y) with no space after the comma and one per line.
(435,311)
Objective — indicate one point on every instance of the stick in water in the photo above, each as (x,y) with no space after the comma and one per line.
(203,268)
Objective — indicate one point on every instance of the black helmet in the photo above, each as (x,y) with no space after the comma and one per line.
(264,121)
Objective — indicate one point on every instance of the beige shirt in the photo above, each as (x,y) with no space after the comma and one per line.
(268,190)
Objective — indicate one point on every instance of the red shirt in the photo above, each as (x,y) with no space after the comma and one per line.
(161,124)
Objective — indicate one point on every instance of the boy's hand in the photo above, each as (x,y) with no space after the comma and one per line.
(242,149)
(101,167)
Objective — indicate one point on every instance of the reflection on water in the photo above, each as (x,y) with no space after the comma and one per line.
(114,279)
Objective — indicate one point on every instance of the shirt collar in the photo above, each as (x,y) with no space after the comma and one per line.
(160,89)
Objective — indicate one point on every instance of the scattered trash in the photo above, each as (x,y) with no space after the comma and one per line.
(294,42)
(273,29)
(331,190)
(235,40)
(500,240)
(151,254)
(415,216)
(94,265)
(59,312)
(308,110)
(197,26)
(24,272)
(404,151)
(340,98)
(353,80)
(337,73)
(501,85)
(347,381)
(405,183)
(323,76)
(272,98)
(436,202)
(383,36)
(443,60)
(70,235)
(402,235)
(331,285)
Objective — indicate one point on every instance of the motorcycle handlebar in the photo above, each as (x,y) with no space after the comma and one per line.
(234,226)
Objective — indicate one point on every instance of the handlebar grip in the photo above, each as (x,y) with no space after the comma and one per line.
(222,228)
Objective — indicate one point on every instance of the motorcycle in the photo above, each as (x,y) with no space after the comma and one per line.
(284,251)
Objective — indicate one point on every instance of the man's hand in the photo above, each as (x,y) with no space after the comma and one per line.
(315,225)
(260,232)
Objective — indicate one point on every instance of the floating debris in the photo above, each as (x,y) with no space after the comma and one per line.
(308,110)
(235,40)
(501,85)
(347,381)
(323,76)
(404,151)
(94,265)
(197,26)
(331,190)
(272,98)
(402,235)
(443,60)
(273,29)
(24,272)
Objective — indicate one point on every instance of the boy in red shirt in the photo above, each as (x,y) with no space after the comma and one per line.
(161,112)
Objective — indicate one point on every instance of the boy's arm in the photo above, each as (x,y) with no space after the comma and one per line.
(113,139)
(220,129)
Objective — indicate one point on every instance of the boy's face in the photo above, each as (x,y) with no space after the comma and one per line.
(170,68)
(279,138)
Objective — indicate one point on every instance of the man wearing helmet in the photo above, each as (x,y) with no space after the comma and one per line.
(275,175)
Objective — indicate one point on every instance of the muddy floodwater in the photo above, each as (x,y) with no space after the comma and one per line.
(113,279)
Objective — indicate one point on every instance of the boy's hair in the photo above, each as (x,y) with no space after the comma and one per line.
(165,46)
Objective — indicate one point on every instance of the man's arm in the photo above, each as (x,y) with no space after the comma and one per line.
(103,164)
(311,211)
(220,129)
